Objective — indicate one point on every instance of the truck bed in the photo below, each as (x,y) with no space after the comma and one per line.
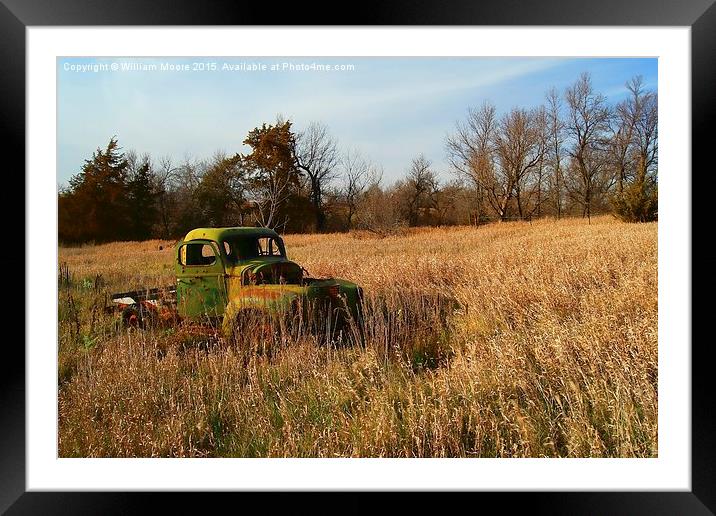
(164,295)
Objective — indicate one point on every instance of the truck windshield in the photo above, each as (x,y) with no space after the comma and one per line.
(246,248)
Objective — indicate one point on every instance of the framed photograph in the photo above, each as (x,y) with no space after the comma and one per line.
(434,250)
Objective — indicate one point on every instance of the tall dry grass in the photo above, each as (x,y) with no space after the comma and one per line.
(552,352)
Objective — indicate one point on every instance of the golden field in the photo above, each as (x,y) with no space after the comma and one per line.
(552,351)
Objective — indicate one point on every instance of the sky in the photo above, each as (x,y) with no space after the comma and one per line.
(390,109)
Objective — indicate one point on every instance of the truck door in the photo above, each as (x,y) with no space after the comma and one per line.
(201,280)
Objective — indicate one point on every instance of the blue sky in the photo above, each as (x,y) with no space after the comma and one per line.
(391,109)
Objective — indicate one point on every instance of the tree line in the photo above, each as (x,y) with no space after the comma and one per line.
(574,155)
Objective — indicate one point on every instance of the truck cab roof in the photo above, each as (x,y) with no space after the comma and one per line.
(229,233)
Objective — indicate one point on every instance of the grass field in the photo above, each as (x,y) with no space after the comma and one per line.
(552,352)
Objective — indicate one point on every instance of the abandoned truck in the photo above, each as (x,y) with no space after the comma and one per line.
(229,275)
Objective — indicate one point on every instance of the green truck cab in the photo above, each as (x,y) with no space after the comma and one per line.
(226,273)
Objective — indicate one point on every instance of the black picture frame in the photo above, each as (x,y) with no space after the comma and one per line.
(16,15)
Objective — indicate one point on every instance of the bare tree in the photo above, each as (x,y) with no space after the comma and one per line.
(420,187)
(520,150)
(446,201)
(498,156)
(637,197)
(626,129)
(267,197)
(542,129)
(555,130)
(164,175)
(646,137)
(586,125)
(378,210)
(358,173)
(471,153)
(133,162)
(317,156)
(181,195)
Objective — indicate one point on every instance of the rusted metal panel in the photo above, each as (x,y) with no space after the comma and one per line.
(201,288)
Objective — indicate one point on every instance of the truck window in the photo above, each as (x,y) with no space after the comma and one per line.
(243,248)
(197,255)
(267,246)
(229,252)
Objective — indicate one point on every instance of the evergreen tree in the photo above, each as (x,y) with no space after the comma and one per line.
(141,208)
(94,207)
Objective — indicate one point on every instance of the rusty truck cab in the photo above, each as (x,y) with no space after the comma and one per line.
(213,264)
